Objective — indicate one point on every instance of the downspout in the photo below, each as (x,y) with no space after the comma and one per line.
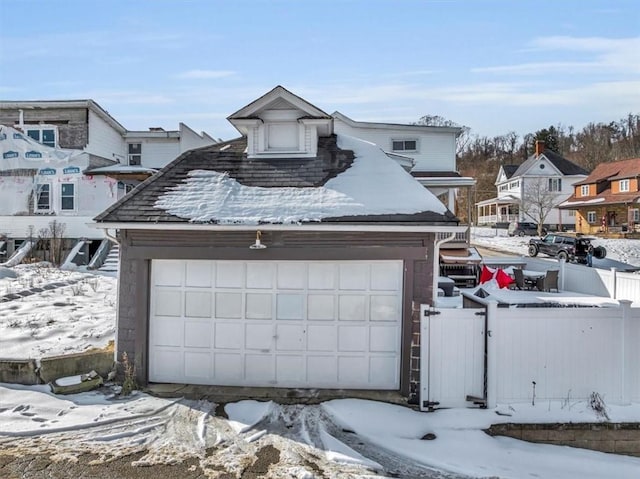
(112,238)
(436,271)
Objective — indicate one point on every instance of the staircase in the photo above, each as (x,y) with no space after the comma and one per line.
(110,264)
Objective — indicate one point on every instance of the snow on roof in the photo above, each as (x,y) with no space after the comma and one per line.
(374,185)
(582,202)
(21,151)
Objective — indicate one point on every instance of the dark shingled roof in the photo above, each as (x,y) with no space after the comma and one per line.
(230,157)
(509,170)
(562,164)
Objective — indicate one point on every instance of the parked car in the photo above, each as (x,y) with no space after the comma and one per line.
(564,246)
(521,228)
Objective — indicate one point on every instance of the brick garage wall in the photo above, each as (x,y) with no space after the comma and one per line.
(618,438)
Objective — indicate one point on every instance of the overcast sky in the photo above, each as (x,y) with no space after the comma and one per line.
(493,65)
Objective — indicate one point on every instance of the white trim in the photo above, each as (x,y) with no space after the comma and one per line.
(446,181)
(394,126)
(274,227)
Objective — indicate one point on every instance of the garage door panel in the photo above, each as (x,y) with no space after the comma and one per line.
(290,337)
(352,308)
(383,370)
(353,370)
(260,275)
(353,338)
(323,324)
(290,370)
(199,274)
(168,332)
(258,336)
(383,339)
(322,370)
(322,276)
(197,304)
(198,334)
(290,306)
(259,369)
(228,368)
(168,302)
(258,306)
(197,365)
(386,277)
(354,276)
(229,274)
(228,305)
(321,337)
(168,365)
(384,308)
(229,336)
(291,276)
(321,307)
(168,273)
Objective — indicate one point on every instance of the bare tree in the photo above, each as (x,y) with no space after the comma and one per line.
(53,238)
(538,200)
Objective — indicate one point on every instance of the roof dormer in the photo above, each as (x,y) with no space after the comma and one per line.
(280,124)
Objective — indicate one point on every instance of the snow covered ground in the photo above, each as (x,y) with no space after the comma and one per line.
(77,315)
(340,438)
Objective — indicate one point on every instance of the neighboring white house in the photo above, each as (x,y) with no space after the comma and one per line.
(428,152)
(545,173)
(78,160)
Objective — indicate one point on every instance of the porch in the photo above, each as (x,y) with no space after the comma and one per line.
(504,209)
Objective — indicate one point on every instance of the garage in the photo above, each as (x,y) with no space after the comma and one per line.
(310,324)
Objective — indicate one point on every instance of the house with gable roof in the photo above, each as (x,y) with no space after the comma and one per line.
(545,171)
(82,159)
(290,257)
(607,202)
(428,152)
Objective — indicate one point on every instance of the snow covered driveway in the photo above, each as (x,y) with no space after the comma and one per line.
(93,435)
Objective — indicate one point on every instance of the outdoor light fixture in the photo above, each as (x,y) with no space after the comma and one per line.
(257,244)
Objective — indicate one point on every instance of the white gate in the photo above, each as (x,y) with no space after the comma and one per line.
(452,357)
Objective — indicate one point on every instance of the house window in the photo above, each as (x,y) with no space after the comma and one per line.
(555,184)
(47,135)
(591,217)
(584,190)
(68,196)
(283,137)
(404,145)
(624,185)
(514,184)
(635,214)
(43,197)
(503,187)
(135,154)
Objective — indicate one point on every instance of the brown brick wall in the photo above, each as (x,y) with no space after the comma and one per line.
(618,438)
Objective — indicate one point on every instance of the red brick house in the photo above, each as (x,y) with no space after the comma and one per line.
(608,200)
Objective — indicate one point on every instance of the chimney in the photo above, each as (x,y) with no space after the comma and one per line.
(539,147)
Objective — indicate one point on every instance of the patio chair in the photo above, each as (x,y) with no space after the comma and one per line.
(548,281)
(521,281)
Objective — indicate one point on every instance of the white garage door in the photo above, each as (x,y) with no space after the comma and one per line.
(279,324)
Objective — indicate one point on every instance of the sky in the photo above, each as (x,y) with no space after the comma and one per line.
(493,65)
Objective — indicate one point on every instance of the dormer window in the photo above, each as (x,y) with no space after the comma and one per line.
(584,190)
(405,145)
(624,186)
(284,136)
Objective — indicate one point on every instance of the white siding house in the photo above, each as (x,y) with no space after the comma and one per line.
(429,152)
(545,173)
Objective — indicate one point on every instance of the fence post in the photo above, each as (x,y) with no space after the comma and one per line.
(626,368)
(423,393)
(562,269)
(614,286)
(492,357)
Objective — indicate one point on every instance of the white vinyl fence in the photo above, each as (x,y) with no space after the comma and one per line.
(567,352)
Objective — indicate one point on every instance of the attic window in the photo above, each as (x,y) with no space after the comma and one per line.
(404,145)
(542,166)
(283,137)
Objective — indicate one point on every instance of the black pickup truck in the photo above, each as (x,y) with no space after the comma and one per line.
(564,246)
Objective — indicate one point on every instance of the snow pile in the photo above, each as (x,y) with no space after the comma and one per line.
(374,185)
